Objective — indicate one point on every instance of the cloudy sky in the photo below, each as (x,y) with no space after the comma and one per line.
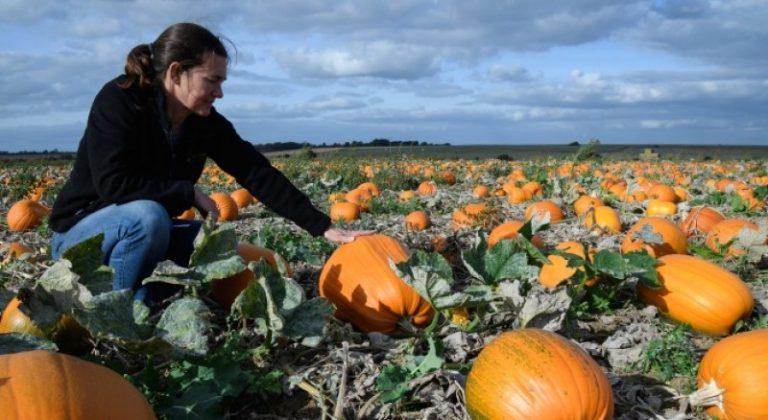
(465,72)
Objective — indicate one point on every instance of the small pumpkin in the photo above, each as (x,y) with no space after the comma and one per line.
(15,250)
(517,195)
(701,219)
(427,188)
(188,214)
(673,240)
(406,195)
(242,197)
(536,374)
(226,206)
(663,193)
(417,220)
(603,217)
(699,293)
(26,214)
(661,208)
(225,291)
(732,382)
(41,384)
(480,191)
(542,207)
(344,211)
(359,282)
(362,197)
(509,230)
(68,334)
(586,202)
(371,188)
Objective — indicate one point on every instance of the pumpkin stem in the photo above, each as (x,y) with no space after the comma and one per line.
(709,395)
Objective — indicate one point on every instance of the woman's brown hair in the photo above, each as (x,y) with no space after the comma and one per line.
(188,43)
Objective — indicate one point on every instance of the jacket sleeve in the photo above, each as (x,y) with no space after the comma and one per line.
(254,172)
(114,158)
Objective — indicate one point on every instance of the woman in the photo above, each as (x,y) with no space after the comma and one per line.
(148,135)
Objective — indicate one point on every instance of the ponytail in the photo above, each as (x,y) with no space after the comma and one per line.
(139,68)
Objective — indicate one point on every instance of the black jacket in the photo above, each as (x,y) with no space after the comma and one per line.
(126,154)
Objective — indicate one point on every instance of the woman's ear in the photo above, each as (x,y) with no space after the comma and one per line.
(174,72)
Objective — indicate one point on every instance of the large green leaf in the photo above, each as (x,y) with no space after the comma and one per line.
(431,276)
(186,325)
(88,262)
(215,254)
(309,321)
(112,316)
(497,264)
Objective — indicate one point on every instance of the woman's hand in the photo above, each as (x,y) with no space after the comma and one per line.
(341,236)
(205,205)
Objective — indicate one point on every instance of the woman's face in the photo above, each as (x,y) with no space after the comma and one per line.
(200,86)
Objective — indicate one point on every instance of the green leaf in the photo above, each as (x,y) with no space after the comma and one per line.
(88,262)
(392,383)
(432,360)
(185,324)
(111,316)
(215,255)
(250,303)
(610,263)
(431,276)
(17,343)
(200,401)
(309,321)
(169,272)
(501,264)
(286,292)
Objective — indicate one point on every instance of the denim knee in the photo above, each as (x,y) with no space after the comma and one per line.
(151,219)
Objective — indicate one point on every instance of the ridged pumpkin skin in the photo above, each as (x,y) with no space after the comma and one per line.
(545,206)
(225,291)
(26,214)
(723,232)
(357,279)
(536,374)
(362,197)
(675,241)
(426,188)
(701,219)
(45,385)
(509,230)
(738,365)
(704,295)
(226,206)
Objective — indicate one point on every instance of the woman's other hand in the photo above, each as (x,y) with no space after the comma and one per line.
(205,205)
(341,236)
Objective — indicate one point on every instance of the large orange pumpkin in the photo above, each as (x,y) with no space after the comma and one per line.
(733,377)
(536,374)
(427,188)
(697,292)
(358,280)
(224,291)
(226,206)
(26,214)
(344,211)
(45,385)
(673,239)
(701,219)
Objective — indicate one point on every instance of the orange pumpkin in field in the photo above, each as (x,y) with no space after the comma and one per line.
(416,220)
(344,211)
(406,195)
(224,291)
(536,374)
(517,195)
(361,197)
(508,230)
(542,207)
(371,188)
(584,203)
(725,231)
(699,293)
(26,214)
(663,193)
(661,208)
(15,249)
(733,377)
(427,188)
(359,282)
(605,218)
(673,239)
(188,214)
(480,191)
(242,198)
(701,219)
(41,384)
(226,205)
(557,271)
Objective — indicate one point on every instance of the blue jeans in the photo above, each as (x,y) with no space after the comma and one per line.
(137,235)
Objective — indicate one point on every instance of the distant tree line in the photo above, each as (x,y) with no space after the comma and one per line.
(292,145)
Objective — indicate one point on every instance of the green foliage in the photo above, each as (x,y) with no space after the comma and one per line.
(293,246)
(588,151)
(393,381)
(389,204)
(503,262)
(671,356)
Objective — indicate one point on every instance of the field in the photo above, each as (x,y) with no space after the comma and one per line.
(280,353)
